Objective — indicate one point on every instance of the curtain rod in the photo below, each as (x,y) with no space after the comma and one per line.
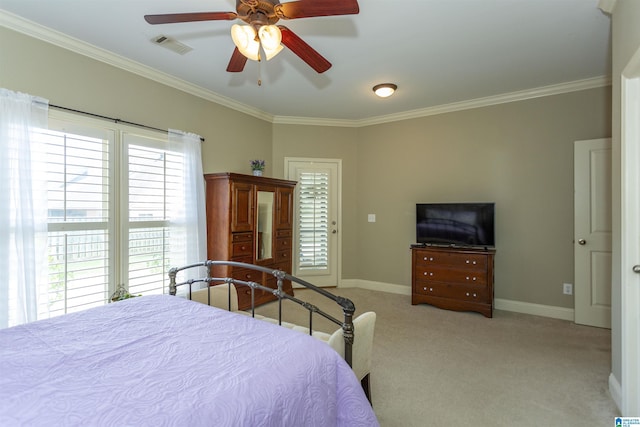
(111,119)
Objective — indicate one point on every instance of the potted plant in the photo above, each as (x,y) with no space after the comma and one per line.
(121,294)
(257,166)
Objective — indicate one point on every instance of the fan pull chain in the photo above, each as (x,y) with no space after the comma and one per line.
(259,71)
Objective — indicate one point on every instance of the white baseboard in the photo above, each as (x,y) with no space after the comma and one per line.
(535,309)
(499,304)
(375,286)
(615,389)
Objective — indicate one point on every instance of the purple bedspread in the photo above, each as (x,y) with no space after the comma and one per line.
(165,361)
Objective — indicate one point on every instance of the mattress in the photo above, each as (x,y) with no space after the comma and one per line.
(165,361)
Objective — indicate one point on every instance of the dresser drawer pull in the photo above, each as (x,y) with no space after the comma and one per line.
(430,289)
(426,273)
(430,258)
(472,262)
(473,279)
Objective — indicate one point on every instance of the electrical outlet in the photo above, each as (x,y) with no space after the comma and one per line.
(567,288)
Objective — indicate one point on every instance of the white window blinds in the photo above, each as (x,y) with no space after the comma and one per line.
(79,221)
(155,189)
(116,204)
(313,220)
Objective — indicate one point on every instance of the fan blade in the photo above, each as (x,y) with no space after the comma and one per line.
(236,64)
(303,50)
(309,8)
(172,18)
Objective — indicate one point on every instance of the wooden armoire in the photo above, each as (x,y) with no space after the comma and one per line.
(250,220)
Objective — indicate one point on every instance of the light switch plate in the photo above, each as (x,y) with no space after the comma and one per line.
(371,217)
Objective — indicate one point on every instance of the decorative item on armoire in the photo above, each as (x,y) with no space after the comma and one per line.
(257,166)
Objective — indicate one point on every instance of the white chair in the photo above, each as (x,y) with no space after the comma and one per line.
(364,326)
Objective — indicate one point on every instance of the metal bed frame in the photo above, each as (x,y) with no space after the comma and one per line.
(348,308)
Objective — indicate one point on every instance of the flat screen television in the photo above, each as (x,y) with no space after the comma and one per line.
(455,224)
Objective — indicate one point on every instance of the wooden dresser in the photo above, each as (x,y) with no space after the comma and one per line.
(453,278)
(250,219)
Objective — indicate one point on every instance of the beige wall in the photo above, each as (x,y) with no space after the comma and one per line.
(519,155)
(625,43)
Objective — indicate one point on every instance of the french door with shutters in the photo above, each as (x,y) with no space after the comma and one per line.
(316,232)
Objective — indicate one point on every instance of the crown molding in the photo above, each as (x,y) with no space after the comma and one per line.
(64,41)
(456,106)
(523,95)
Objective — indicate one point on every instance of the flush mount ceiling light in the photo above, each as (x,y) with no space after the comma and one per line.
(384,90)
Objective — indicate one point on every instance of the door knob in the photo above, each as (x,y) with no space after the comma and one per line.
(334,231)
(636,268)
(582,242)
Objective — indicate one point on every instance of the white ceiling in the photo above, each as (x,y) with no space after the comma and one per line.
(438,52)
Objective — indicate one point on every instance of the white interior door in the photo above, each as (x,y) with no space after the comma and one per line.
(317,218)
(592,236)
(630,238)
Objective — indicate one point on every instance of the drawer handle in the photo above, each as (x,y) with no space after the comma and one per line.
(471,278)
(430,289)
(467,293)
(426,273)
(427,258)
(471,262)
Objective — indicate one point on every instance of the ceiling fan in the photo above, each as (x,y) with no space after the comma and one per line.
(261,31)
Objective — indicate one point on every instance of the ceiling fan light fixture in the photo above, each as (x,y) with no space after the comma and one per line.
(244,37)
(385,90)
(270,38)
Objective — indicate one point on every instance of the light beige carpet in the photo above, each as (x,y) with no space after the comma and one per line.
(434,367)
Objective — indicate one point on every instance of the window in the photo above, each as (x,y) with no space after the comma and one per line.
(112,194)
(313,220)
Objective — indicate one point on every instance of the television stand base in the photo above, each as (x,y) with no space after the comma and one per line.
(457,278)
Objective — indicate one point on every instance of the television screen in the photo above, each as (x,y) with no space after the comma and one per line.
(458,224)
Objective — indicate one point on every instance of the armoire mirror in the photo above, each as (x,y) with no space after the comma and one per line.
(264,221)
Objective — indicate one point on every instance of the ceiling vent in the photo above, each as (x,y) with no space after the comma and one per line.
(172,44)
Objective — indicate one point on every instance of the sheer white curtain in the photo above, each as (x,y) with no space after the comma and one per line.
(23,206)
(188,222)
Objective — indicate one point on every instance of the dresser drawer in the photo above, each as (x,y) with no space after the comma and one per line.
(457,260)
(283,256)
(459,292)
(244,297)
(283,243)
(432,273)
(241,249)
(247,275)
